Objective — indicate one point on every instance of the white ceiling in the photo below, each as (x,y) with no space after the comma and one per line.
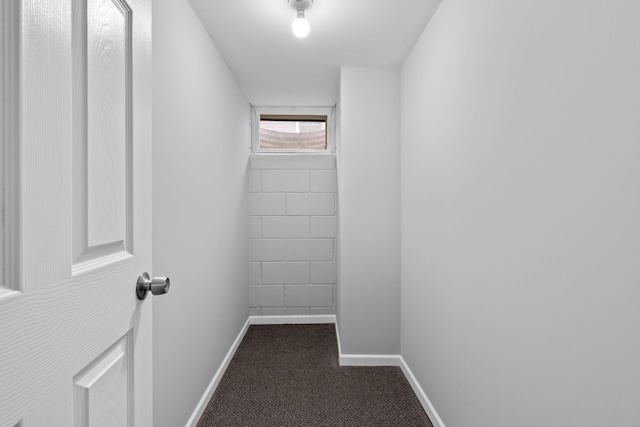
(274,67)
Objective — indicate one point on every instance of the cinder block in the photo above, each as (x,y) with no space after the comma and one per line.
(267,204)
(285,227)
(271,161)
(285,273)
(276,181)
(254,227)
(309,250)
(254,183)
(266,296)
(315,161)
(254,273)
(311,204)
(266,250)
(323,226)
(310,295)
(323,272)
(323,181)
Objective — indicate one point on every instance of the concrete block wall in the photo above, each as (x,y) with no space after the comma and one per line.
(292,234)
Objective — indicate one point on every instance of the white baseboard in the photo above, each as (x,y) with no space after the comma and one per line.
(292,320)
(422,396)
(338,338)
(370,360)
(204,400)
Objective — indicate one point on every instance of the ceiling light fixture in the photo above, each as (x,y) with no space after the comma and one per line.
(300,26)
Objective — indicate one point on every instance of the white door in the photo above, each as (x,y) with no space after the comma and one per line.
(75,342)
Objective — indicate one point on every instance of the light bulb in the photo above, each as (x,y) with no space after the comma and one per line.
(301,26)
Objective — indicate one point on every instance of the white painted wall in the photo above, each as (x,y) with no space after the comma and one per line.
(200,154)
(292,233)
(520,212)
(369,211)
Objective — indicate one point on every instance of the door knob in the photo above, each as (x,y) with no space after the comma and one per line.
(157,285)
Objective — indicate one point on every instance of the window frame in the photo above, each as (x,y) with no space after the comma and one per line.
(257,112)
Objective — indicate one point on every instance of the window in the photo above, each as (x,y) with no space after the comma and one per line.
(293,133)
(293,129)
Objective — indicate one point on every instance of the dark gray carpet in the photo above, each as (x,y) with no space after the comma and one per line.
(288,375)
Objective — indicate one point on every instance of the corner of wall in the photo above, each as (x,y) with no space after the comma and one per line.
(369,217)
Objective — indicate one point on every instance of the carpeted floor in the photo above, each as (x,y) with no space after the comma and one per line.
(288,375)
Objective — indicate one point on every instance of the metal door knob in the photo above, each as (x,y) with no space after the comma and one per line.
(157,285)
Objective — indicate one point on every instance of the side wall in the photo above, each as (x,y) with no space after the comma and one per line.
(200,155)
(521,212)
(292,234)
(369,211)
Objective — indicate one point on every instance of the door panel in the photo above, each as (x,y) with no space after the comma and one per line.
(75,343)
(101,133)
(102,391)
(107,74)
